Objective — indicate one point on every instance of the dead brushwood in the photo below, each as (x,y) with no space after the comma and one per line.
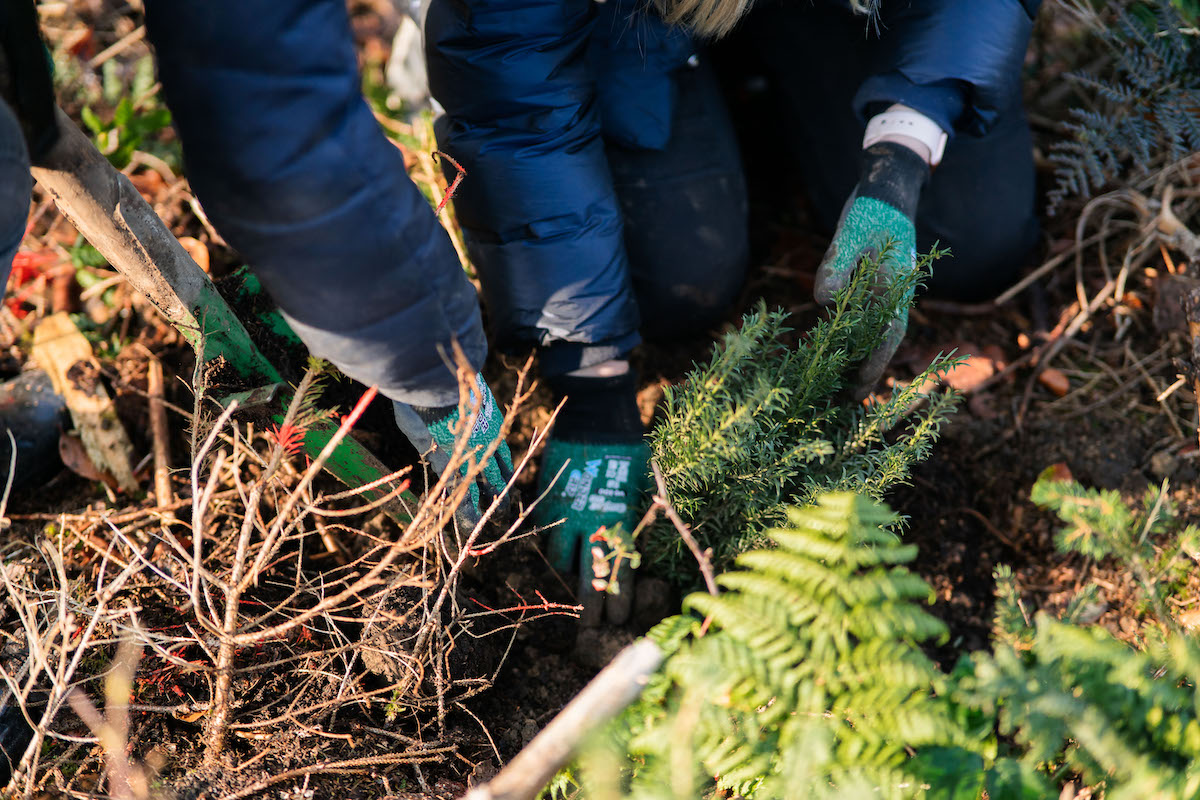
(264,579)
(126,781)
(1116,236)
(57,632)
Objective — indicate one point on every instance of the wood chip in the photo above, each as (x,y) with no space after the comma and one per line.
(163,493)
(63,352)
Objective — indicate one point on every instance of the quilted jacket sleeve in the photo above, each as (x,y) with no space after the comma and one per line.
(936,46)
(294,171)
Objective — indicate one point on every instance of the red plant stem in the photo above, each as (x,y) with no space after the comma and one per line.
(453,187)
(359,408)
(701,556)
(545,605)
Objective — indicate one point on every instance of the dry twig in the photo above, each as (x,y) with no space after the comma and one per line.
(163,493)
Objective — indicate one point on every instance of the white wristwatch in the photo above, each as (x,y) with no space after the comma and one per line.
(907,122)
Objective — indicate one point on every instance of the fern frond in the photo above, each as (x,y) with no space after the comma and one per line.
(1148,104)
(809,680)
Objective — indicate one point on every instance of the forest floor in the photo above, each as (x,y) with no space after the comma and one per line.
(1055,379)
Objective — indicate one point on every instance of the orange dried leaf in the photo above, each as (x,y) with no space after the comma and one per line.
(76,459)
(1190,620)
(996,353)
(971,373)
(149,184)
(1055,381)
(1060,473)
(197,249)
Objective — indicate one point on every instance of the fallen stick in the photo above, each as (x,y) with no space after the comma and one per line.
(163,493)
(1172,232)
(1191,310)
(1046,267)
(66,355)
(617,685)
(1052,347)
(103,515)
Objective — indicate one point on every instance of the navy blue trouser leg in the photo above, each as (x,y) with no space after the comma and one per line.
(684,210)
(980,199)
(295,173)
(15,187)
(685,213)
(604,193)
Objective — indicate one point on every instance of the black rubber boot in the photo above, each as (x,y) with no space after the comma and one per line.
(35,415)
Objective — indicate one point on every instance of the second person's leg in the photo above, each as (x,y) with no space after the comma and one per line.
(685,213)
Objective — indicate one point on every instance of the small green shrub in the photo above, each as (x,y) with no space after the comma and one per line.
(1075,698)
(809,682)
(1078,701)
(137,116)
(766,424)
(1150,540)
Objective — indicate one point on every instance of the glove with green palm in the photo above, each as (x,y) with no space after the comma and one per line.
(593,475)
(433,431)
(879,218)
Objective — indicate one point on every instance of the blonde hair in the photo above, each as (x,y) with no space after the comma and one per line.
(707,18)
(715,18)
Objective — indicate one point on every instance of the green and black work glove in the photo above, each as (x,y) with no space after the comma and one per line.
(434,431)
(594,475)
(879,218)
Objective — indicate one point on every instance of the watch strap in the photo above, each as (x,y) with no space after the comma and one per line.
(907,122)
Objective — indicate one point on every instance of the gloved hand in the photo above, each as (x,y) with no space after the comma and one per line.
(433,431)
(594,471)
(880,213)
(596,496)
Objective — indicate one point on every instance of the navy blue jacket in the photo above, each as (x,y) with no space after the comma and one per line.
(532,87)
(294,171)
